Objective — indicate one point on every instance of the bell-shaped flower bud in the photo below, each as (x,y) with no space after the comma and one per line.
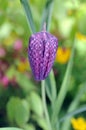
(41,52)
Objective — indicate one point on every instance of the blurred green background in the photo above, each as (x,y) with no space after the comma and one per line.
(20,94)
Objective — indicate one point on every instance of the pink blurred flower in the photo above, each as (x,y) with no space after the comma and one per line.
(2,52)
(5,80)
(18,45)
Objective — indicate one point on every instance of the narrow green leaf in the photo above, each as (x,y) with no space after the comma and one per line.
(74,104)
(28,13)
(80,110)
(65,83)
(10,128)
(64,88)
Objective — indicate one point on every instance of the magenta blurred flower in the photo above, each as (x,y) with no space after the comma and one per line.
(41,52)
(18,45)
(5,80)
(2,52)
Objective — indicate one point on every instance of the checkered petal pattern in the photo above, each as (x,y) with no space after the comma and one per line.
(41,53)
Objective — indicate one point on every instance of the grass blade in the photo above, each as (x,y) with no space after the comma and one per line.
(73,105)
(28,13)
(80,110)
(10,128)
(64,88)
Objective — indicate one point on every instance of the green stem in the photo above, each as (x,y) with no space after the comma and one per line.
(51,88)
(28,13)
(45,106)
(46,18)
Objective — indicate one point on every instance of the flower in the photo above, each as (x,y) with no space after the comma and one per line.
(41,52)
(62,55)
(5,81)
(70,12)
(23,65)
(79,123)
(80,36)
(17,45)
(9,40)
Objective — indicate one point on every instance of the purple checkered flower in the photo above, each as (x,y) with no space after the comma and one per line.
(41,52)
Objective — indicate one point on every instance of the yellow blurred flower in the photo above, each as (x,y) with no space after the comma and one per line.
(62,55)
(79,123)
(23,66)
(70,12)
(80,36)
(9,41)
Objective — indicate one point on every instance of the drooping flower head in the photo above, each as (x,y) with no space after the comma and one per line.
(41,52)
